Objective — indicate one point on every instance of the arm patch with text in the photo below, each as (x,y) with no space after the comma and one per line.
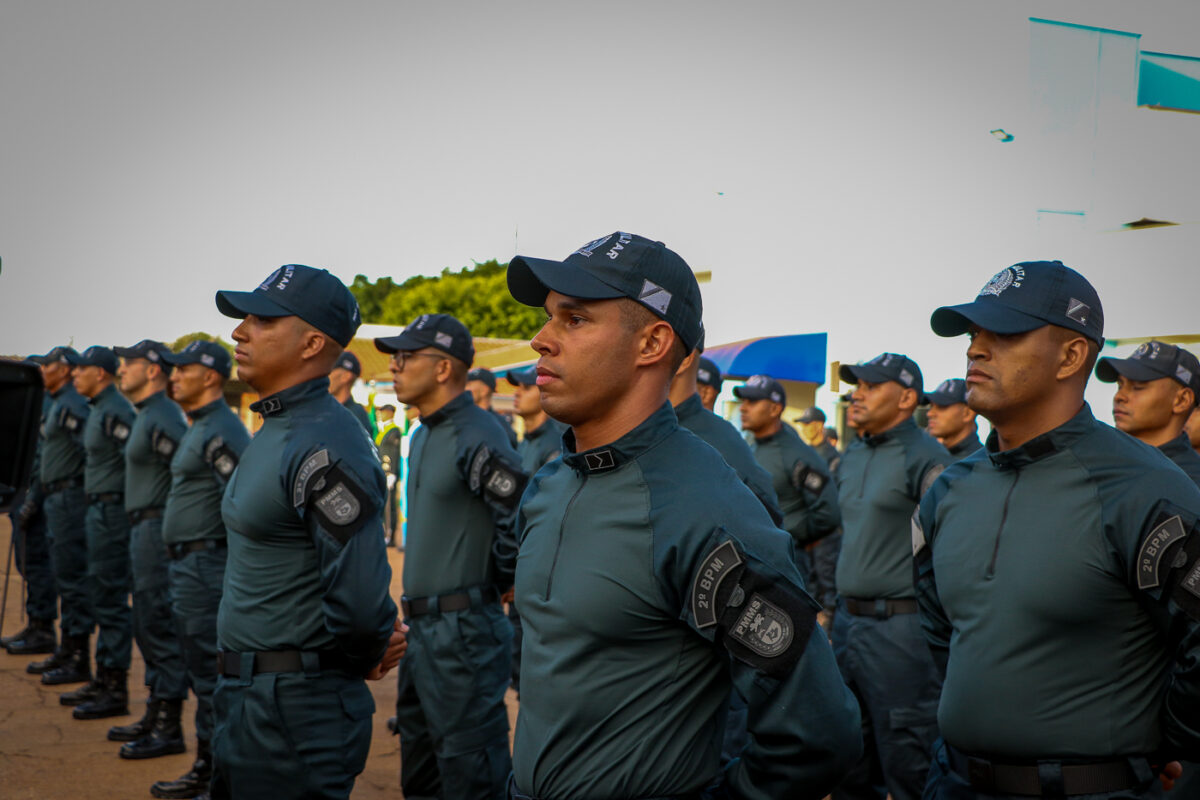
(163,445)
(115,429)
(806,478)
(340,505)
(763,622)
(1170,557)
(220,457)
(494,479)
(71,422)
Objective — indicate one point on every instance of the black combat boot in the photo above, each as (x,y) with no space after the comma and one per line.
(55,660)
(38,637)
(194,782)
(113,699)
(84,694)
(165,738)
(136,730)
(76,666)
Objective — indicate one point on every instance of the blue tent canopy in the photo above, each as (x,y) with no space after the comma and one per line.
(800,357)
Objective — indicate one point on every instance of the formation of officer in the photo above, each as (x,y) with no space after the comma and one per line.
(345,372)
(305,613)
(150,446)
(481,383)
(876,631)
(464,484)
(387,442)
(811,424)
(650,579)
(1056,570)
(950,420)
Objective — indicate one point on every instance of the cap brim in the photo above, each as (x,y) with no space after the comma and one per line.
(396,344)
(1109,369)
(179,359)
(518,377)
(935,399)
(853,373)
(744,393)
(128,352)
(241,304)
(994,317)
(530,280)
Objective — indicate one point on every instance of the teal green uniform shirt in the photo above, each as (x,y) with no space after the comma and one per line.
(650,581)
(541,445)
(880,481)
(105,437)
(307,567)
(724,438)
(966,446)
(1059,585)
(800,478)
(152,444)
(206,457)
(63,455)
(1180,451)
(362,416)
(463,489)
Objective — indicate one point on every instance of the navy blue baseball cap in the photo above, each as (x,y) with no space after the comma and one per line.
(294,290)
(525,376)
(1153,360)
(60,354)
(1025,297)
(762,387)
(209,354)
(96,356)
(483,374)
(349,362)
(883,368)
(617,265)
(811,414)
(949,392)
(440,331)
(709,374)
(152,351)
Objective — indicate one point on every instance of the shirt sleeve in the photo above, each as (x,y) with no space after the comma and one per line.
(340,500)
(934,621)
(810,477)
(491,469)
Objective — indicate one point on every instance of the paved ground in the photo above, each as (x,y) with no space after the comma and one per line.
(45,753)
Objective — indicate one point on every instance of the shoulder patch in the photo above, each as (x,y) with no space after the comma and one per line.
(918,534)
(716,566)
(340,505)
(1149,557)
(930,476)
(220,457)
(162,444)
(764,627)
(805,477)
(114,428)
(68,420)
(318,460)
(494,479)
(475,474)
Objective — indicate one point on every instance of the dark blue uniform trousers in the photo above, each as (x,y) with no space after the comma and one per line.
(290,736)
(67,536)
(945,784)
(108,582)
(196,581)
(153,623)
(32,551)
(450,709)
(887,664)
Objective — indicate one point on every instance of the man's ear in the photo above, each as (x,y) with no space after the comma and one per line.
(655,342)
(1073,357)
(908,398)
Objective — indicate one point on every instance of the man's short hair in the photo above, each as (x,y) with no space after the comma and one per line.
(635,316)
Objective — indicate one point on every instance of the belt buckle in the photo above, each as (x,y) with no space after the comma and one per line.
(881,609)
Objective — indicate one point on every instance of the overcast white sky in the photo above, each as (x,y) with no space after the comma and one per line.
(153,152)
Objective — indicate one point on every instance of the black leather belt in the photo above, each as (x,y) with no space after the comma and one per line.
(178,551)
(516,794)
(107,497)
(460,601)
(880,608)
(145,513)
(230,664)
(65,483)
(1042,778)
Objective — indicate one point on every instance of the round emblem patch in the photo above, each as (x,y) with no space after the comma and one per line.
(999,282)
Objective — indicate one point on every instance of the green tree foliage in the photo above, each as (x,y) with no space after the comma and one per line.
(188,338)
(478,296)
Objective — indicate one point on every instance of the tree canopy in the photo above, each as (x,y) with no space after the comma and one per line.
(188,338)
(477,296)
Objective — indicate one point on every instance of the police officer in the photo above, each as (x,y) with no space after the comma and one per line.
(814,433)
(387,441)
(194,534)
(649,578)
(33,561)
(876,631)
(341,379)
(951,421)
(305,613)
(152,444)
(61,467)
(104,438)
(463,489)
(708,382)
(481,383)
(1055,573)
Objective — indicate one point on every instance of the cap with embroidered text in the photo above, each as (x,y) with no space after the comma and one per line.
(208,354)
(709,374)
(617,265)
(762,387)
(484,375)
(883,368)
(948,393)
(440,331)
(57,355)
(1024,297)
(1153,360)
(313,295)
(349,362)
(148,349)
(96,356)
